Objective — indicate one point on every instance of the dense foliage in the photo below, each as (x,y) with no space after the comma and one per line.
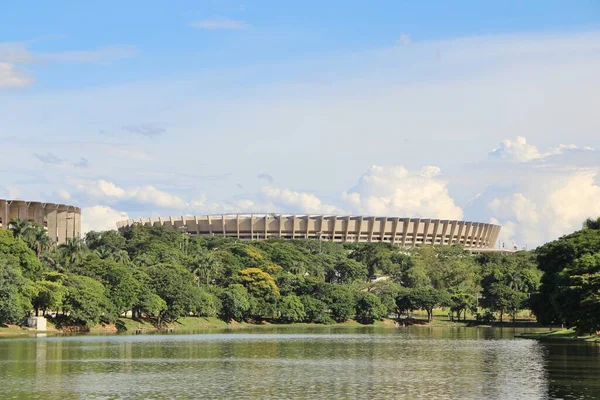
(162,275)
(570,287)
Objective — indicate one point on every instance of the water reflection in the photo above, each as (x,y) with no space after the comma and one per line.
(328,362)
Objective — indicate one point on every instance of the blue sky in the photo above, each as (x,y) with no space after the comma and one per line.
(477,110)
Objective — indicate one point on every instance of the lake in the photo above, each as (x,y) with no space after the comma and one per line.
(307,363)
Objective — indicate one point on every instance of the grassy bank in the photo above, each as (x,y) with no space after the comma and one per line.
(559,334)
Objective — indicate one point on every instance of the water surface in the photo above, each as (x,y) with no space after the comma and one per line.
(303,363)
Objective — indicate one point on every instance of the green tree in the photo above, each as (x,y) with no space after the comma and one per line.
(175,285)
(16,252)
(428,298)
(369,308)
(49,296)
(552,259)
(15,292)
(85,301)
(315,310)
(291,309)
(340,300)
(346,270)
(235,303)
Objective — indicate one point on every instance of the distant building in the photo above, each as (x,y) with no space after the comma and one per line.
(404,232)
(61,221)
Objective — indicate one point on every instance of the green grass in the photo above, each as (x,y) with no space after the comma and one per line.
(559,334)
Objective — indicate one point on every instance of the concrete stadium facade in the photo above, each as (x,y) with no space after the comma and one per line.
(60,220)
(405,232)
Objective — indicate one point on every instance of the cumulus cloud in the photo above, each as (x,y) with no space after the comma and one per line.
(286,200)
(109,191)
(100,218)
(546,194)
(219,23)
(397,191)
(519,150)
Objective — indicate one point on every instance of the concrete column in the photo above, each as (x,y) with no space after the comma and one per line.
(61,222)
(417,223)
(405,223)
(371,225)
(453,225)
(70,230)
(77,223)
(51,221)
(395,229)
(4,206)
(436,226)
(359,229)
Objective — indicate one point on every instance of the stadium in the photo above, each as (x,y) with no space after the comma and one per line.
(60,220)
(403,232)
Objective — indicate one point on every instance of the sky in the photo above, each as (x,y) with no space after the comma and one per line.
(485,111)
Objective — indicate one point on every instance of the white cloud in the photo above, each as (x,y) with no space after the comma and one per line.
(100,218)
(156,197)
(219,24)
(11,77)
(521,151)
(397,191)
(108,191)
(547,203)
(286,200)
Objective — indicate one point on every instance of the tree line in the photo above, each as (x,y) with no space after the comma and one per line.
(161,275)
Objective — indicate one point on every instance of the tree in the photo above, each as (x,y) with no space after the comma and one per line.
(85,301)
(502,298)
(38,239)
(175,286)
(15,292)
(259,283)
(428,298)
(235,303)
(73,250)
(291,309)
(204,304)
(346,270)
(20,228)
(577,294)
(553,258)
(387,291)
(49,296)
(340,300)
(369,308)
(205,266)
(315,310)
(16,252)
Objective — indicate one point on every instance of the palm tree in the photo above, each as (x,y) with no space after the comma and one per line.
(103,252)
(19,227)
(39,239)
(204,266)
(122,257)
(73,249)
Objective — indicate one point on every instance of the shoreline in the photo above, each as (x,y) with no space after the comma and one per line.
(128,326)
(559,335)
